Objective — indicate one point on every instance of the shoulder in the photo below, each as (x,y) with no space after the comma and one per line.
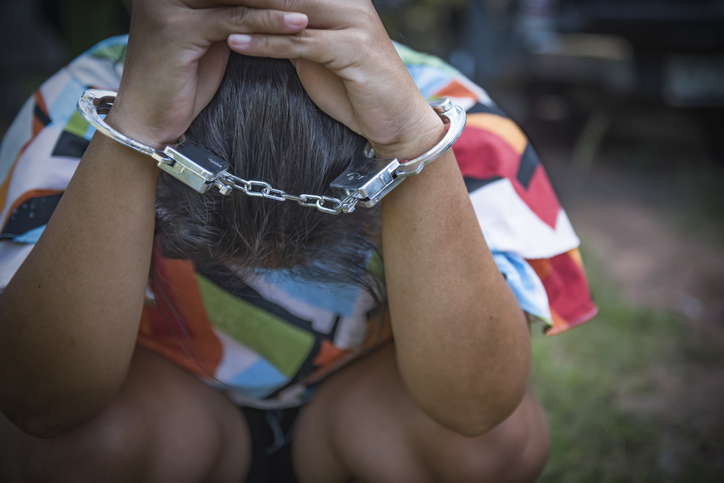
(436,78)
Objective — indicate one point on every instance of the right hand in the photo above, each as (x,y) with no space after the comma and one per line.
(176,58)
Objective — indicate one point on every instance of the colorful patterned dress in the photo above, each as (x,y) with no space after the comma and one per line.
(269,341)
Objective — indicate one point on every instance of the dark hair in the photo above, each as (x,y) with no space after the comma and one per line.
(265,125)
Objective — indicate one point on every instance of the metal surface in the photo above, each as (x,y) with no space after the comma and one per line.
(95,102)
(370,184)
(196,167)
(362,183)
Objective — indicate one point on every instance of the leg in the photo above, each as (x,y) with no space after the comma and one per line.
(164,426)
(363,426)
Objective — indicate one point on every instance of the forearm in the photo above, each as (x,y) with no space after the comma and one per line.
(462,340)
(71,312)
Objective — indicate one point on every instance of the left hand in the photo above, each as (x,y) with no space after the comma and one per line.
(350,69)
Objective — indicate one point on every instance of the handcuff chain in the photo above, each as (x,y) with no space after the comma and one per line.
(262,189)
(363,183)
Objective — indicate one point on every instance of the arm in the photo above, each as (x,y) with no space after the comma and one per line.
(70,315)
(463,346)
(462,339)
(71,312)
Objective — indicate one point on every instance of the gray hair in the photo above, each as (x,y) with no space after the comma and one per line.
(264,123)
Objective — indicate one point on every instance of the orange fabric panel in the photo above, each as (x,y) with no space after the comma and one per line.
(456,89)
(177,326)
(40,103)
(575,255)
(541,266)
(379,330)
(567,287)
(505,128)
(328,354)
(36,128)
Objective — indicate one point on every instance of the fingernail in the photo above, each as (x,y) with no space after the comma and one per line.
(239,40)
(295,19)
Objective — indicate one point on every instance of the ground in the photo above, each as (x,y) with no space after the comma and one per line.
(637,394)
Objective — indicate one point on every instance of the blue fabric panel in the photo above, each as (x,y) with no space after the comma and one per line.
(259,380)
(338,299)
(30,237)
(428,79)
(63,106)
(525,284)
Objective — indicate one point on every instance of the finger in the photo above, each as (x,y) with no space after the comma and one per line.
(379,88)
(224,21)
(322,13)
(336,49)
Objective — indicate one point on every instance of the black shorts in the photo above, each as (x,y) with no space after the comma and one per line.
(271,432)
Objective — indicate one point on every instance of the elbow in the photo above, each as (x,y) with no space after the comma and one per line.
(472,428)
(494,409)
(480,419)
(50,423)
(480,424)
(40,427)
(478,412)
(44,418)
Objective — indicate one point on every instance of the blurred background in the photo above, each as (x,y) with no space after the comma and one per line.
(624,101)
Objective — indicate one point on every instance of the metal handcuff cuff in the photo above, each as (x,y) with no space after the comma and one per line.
(361,183)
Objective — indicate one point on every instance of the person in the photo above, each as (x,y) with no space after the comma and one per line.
(269,302)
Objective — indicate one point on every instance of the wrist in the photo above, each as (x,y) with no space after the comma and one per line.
(134,130)
(417,138)
(131,160)
(127,117)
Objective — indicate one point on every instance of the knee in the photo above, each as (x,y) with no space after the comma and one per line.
(514,452)
(104,449)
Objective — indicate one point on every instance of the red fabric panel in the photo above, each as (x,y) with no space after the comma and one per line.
(482,155)
(177,326)
(568,291)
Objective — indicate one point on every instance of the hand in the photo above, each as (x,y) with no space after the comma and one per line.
(351,70)
(176,57)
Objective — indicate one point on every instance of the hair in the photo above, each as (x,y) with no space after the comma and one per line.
(264,124)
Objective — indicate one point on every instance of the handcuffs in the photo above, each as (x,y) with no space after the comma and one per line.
(362,183)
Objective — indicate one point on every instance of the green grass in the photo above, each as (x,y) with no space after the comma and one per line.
(582,378)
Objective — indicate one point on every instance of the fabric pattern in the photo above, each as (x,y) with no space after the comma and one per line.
(267,342)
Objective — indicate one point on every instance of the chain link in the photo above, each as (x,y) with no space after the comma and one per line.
(200,176)
(261,189)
